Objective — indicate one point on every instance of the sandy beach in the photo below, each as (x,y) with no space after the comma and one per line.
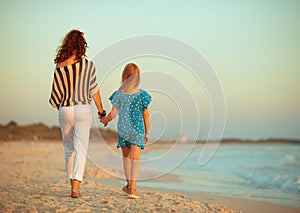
(33,180)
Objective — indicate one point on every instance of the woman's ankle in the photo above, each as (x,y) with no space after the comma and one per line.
(75,185)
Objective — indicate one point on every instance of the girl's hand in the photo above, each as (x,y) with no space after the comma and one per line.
(147,137)
(104,121)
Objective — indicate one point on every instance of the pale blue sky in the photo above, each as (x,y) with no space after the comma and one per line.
(254,47)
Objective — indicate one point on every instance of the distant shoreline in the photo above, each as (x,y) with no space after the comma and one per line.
(159,143)
(257,142)
(41,132)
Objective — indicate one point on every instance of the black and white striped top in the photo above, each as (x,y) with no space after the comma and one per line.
(74,84)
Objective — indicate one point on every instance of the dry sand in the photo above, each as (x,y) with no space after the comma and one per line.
(33,180)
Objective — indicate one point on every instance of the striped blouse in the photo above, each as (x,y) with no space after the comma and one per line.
(74,84)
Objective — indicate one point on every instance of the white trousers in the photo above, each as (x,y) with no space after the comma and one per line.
(75,124)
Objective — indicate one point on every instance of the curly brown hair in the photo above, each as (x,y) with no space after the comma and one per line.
(73,43)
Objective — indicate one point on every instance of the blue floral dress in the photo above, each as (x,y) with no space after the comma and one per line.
(131,129)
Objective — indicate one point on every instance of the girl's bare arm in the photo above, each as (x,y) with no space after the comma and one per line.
(146,123)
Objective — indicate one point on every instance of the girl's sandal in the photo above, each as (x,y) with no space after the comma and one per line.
(126,189)
(133,194)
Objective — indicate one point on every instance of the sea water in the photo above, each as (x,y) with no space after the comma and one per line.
(269,173)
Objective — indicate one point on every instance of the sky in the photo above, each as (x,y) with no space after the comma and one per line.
(253,47)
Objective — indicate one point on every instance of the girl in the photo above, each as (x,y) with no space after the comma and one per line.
(131,104)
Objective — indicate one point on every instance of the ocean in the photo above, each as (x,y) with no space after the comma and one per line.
(269,173)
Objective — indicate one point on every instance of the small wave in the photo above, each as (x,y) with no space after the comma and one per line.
(275,179)
(288,160)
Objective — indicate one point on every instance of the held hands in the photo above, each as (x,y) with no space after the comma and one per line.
(103,118)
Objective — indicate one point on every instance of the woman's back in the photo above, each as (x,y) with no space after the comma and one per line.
(74,84)
(71,60)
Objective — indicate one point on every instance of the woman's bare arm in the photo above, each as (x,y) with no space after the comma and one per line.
(98,102)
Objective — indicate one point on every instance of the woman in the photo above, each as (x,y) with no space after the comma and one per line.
(74,86)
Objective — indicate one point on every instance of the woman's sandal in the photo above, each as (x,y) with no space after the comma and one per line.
(126,189)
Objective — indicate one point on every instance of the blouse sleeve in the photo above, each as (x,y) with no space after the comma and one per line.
(115,100)
(93,82)
(146,99)
(56,93)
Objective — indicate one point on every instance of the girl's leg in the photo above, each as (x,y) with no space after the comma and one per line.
(135,164)
(126,164)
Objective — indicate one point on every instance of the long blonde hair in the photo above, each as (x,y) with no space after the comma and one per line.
(130,78)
